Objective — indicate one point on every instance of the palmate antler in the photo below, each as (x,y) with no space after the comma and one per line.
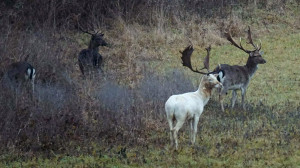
(251,41)
(229,38)
(206,59)
(186,59)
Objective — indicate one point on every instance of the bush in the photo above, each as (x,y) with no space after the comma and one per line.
(57,114)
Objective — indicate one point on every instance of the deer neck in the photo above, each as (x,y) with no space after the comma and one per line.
(204,90)
(251,66)
(92,46)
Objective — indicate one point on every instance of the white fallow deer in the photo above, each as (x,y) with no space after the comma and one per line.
(189,106)
(238,77)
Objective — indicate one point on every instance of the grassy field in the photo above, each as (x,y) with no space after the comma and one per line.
(267,134)
(117,119)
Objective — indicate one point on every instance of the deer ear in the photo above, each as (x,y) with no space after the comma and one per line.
(251,54)
(221,75)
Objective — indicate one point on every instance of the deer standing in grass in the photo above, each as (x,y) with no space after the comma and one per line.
(189,106)
(90,57)
(238,77)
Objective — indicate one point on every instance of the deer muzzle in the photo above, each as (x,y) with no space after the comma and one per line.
(219,85)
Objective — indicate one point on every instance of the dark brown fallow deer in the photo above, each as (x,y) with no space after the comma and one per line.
(21,73)
(238,77)
(90,57)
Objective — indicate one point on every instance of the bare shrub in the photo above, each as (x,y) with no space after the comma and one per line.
(41,123)
(116,103)
(154,90)
(58,13)
(119,111)
(42,120)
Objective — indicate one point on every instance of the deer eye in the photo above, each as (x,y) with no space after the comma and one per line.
(211,80)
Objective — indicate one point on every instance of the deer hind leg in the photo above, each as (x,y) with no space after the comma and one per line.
(191,129)
(81,67)
(243,97)
(32,89)
(176,129)
(170,121)
(233,99)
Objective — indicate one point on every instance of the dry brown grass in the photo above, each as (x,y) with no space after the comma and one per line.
(142,67)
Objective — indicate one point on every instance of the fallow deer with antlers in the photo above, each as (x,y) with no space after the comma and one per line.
(189,106)
(90,57)
(238,77)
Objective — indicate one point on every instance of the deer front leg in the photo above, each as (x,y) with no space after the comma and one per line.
(243,97)
(175,132)
(170,121)
(191,130)
(196,120)
(221,98)
(233,99)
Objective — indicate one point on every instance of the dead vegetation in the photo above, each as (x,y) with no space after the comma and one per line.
(140,67)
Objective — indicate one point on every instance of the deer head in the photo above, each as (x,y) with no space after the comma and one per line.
(255,56)
(96,39)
